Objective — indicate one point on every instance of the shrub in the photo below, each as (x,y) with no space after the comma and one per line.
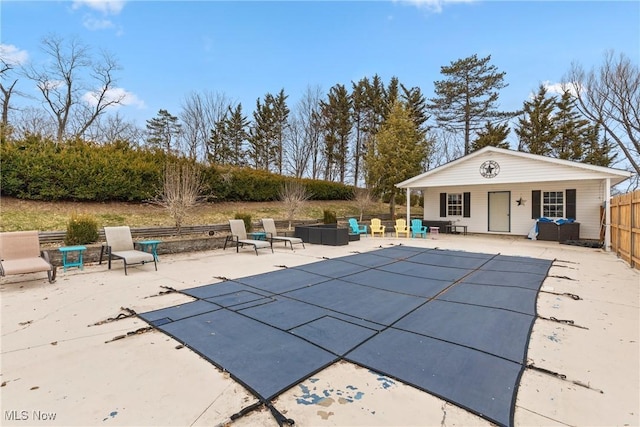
(38,168)
(81,229)
(294,196)
(246,218)
(329,217)
(181,191)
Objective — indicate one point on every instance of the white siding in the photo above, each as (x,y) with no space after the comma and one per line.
(513,169)
(589,198)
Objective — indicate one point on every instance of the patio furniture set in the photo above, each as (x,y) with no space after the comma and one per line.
(20,250)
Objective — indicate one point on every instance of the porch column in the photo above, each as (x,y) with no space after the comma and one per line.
(607,214)
(408,206)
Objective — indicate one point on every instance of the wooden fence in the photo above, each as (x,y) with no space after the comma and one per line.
(625,227)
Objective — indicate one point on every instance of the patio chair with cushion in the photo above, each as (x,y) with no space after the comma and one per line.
(417,229)
(269,226)
(20,254)
(401,228)
(120,245)
(377,227)
(356,228)
(239,237)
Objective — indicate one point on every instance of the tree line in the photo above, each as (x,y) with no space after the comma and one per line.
(365,133)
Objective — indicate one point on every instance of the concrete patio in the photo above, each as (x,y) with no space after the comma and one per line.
(64,363)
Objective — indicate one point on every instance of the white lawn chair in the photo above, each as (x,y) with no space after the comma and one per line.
(239,237)
(120,245)
(269,226)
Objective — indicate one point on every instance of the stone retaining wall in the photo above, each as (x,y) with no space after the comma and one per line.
(92,254)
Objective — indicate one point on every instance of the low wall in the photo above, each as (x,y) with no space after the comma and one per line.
(92,254)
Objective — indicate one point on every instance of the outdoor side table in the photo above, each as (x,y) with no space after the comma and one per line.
(66,262)
(150,246)
(435,231)
(258,235)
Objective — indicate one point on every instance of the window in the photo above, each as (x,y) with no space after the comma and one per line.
(553,204)
(454,204)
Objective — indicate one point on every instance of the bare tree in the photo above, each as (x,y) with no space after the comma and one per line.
(181,190)
(610,96)
(297,149)
(199,115)
(7,91)
(445,148)
(293,195)
(111,128)
(77,87)
(33,121)
(363,199)
(309,119)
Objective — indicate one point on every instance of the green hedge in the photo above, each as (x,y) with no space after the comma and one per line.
(245,184)
(41,169)
(77,170)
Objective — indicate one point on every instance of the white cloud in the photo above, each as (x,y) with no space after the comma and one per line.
(558,88)
(92,23)
(108,7)
(11,55)
(432,5)
(126,98)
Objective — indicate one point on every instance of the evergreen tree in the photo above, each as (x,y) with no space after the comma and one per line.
(267,134)
(262,133)
(236,135)
(163,130)
(468,96)
(536,130)
(399,153)
(336,113)
(369,109)
(493,135)
(280,117)
(358,109)
(573,131)
(417,105)
(600,153)
(391,94)
(216,142)
(375,110)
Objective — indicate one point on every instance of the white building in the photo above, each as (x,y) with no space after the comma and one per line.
(500,191)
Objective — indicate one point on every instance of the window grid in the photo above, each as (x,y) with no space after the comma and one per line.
(553,204)
(454,204)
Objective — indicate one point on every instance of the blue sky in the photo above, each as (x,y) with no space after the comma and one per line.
(244,49)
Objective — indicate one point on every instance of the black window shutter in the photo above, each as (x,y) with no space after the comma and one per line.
(570,211)
(443,205)
(536,198)
(466,205)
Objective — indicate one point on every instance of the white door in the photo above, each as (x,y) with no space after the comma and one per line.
(500,211)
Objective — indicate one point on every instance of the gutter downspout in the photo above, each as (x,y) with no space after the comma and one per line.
(607,215)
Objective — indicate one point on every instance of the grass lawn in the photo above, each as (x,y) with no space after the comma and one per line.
(18,214)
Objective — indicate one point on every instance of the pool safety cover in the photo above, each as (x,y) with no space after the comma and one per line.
(454,324)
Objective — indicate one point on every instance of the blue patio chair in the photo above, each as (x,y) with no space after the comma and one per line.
(355,228)
(418,229)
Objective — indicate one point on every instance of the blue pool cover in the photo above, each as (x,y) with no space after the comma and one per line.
(452,323)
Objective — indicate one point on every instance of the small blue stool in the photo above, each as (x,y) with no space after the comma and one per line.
(150,246)
(66,263)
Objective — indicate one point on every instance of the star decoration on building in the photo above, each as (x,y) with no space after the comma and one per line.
(489,169)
